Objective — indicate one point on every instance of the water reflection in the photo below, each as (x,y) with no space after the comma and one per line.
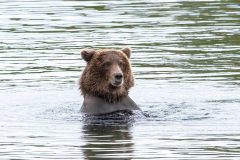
(107,141)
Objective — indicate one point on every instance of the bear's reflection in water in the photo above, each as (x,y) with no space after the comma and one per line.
(107,141)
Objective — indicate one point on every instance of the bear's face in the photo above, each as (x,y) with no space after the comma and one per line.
(108,73)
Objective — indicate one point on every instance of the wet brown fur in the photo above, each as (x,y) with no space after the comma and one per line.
(95,77)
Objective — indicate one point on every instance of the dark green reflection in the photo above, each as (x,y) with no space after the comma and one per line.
(107,142)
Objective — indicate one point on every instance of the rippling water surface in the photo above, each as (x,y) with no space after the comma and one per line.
(186,60)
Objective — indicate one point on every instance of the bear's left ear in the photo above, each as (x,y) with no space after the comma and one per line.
(127,51)
(87,54)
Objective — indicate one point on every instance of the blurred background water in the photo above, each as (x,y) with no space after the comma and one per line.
(186,61)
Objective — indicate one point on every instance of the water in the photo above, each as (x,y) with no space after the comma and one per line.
(186,60)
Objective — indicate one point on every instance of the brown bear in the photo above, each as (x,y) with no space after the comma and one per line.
(106,80)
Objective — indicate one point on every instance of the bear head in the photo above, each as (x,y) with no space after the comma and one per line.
(107,75)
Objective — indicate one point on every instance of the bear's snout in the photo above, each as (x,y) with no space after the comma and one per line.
(117,77)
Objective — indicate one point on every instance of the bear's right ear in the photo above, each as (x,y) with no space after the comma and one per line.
(87,54)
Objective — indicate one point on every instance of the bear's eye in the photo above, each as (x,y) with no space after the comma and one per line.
(120,63)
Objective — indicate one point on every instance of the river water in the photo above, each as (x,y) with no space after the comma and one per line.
(186,61)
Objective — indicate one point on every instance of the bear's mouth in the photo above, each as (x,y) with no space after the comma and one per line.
(116,85)
(116,82)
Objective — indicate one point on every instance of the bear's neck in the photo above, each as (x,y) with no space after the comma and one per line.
(95,105)
(108,97)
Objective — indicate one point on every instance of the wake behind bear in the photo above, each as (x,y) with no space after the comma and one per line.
(105,82)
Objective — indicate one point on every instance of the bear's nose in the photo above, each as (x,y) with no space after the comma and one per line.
(118,76)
